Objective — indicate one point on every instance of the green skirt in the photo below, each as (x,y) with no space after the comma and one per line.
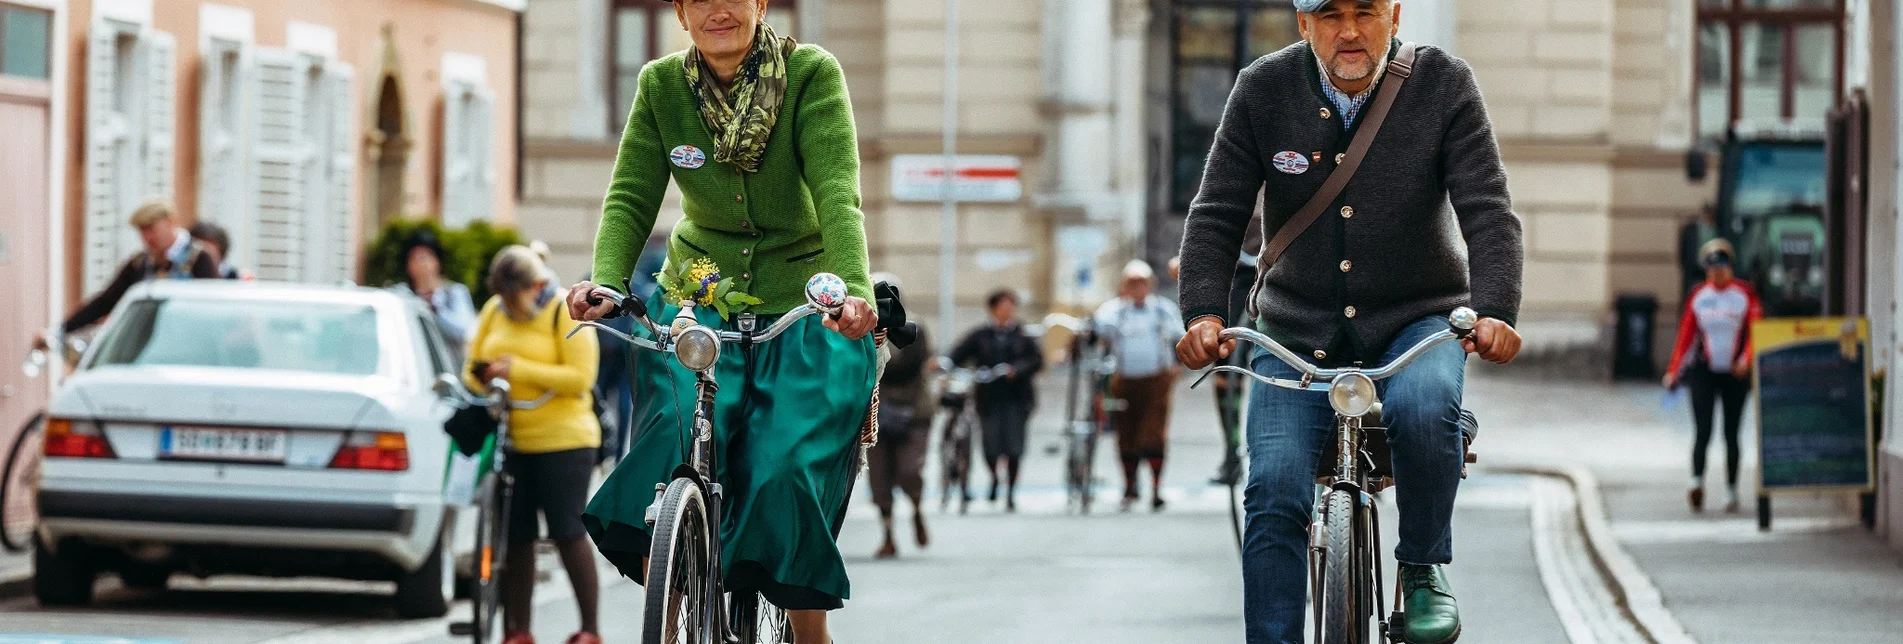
(786,427)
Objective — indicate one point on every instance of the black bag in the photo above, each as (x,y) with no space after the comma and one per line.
(470,427)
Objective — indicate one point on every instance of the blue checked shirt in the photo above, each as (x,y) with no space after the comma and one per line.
(1349,106)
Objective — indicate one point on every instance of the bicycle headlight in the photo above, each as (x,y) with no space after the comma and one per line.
(698,348)
(1352,395)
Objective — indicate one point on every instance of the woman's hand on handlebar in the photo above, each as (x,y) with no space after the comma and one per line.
(856,319)
(1493,340)
(579,307)
(1203,343)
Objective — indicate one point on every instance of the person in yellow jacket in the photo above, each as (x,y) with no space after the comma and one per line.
(520,337)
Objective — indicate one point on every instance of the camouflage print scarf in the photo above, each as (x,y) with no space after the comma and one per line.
(742,117)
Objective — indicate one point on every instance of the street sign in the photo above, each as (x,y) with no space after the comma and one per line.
(1814,416)
(975,178)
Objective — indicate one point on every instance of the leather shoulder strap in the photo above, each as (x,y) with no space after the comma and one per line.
(1398,72)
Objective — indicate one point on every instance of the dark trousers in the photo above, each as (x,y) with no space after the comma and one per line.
(1707,389)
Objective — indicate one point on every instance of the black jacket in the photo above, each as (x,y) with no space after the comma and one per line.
(987,346)
(139,268)
(1405,244)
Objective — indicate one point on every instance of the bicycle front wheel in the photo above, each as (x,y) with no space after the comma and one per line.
(20,487)
(757,621)
(492,543)
(1343,595)
(680,578)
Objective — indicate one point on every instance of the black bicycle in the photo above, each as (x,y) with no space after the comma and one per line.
(20,472)
(1087,407)
(1231,392)
(957,398)
(1345,560)
(687,601)
(494,493)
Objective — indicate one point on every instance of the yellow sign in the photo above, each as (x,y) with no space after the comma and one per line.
(1812,376)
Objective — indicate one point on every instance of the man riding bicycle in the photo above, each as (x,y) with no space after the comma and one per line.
(757,132)
(170,252)
(1360,278)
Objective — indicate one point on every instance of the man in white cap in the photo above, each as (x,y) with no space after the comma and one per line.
(1141,328)
(1373,240)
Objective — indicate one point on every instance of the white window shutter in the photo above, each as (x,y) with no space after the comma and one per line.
(224,147)
(276,158)
(105,137)
(339,155)
(458,159)
(159,51)
(481,132)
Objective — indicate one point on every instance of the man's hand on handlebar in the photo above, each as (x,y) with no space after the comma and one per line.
(856,319)
(1494,341)
(579,307)
(1203,343)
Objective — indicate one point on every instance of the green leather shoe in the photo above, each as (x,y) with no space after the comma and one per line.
(1432,616)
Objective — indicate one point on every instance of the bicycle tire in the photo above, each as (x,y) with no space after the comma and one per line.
(1342,593)
(678,575)
(492,551)
(758,621)
(20,485)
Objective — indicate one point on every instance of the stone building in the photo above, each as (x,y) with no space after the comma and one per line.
(1064,101)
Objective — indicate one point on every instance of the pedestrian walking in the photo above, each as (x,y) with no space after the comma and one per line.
(1004,405)
(1713,356)
(1142,329)
(218,243)
(448,299)
(905,427)
(169,253)
(521,336)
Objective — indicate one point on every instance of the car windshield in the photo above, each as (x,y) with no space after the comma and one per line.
(1776,179)
(324,338)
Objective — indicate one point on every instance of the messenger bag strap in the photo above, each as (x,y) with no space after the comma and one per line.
(1399,70)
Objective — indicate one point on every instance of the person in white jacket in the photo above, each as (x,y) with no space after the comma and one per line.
(1142,329)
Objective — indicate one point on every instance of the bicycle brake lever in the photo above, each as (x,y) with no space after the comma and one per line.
(1273,382)
(600,327)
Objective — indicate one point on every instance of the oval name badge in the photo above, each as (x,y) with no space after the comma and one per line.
(688,157)
(1291,162)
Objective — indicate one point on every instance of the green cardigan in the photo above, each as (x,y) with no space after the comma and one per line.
(770,231)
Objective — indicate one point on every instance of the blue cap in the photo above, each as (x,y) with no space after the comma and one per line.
(1311,6)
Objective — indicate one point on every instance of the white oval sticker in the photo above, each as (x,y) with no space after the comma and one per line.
(1291,162)
(688,157)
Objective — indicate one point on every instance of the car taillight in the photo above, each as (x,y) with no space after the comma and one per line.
(66,438)
(388,451)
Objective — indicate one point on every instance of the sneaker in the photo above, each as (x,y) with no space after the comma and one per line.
(1731,501)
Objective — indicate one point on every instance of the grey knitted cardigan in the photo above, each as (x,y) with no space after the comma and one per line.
(1390,250)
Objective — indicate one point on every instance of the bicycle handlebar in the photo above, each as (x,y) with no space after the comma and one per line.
(1460,325)
(825,295)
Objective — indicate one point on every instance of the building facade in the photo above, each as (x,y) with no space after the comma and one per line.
(1058,86)
(297,126)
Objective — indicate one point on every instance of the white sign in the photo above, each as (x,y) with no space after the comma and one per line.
(975,178)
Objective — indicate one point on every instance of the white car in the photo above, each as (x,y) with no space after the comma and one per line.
(218,427)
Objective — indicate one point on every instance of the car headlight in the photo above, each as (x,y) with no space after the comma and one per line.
(697,348)
(1352,395)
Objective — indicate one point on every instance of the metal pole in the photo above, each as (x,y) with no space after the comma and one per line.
(948,210)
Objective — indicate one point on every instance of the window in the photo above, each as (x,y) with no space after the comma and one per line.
(324,338)
(1211,41)
(131,99)
(302,159)
(643,30)
(1765,61)
(24,39)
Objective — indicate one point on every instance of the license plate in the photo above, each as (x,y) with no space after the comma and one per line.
(248,445)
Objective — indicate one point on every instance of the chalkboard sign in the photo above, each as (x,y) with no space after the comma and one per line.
(1813,388)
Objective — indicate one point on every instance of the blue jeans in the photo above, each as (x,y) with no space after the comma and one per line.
(1286,432)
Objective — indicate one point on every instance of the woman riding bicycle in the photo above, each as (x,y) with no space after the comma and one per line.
(521,337)
(757,133)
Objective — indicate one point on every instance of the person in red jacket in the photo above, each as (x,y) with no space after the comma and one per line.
(1713,356)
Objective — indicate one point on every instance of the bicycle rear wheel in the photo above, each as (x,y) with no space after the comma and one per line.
(757,621)
(492,544)
(20,487)
(679,579)
(1342,594)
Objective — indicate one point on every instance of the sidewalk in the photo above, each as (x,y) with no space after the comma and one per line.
(16,574)
(1817,576)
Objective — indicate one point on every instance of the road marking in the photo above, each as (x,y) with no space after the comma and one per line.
(77,639)
(1586,607)
(1724,530)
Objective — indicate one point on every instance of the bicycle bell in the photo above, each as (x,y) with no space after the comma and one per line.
(826,291)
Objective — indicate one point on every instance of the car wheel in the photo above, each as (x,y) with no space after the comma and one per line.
(426,591)
(144,577)
(65,577)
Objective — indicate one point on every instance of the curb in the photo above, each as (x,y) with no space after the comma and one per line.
(16,584)
(1629,583)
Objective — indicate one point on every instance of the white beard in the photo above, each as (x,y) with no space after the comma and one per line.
(1347,73)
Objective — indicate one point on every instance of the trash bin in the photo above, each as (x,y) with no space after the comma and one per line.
(1632,337)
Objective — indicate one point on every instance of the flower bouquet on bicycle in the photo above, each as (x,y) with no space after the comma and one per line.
(752,430)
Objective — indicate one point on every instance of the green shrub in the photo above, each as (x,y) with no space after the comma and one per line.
(466,252)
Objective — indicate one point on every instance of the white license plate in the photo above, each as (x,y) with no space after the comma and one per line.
(248,445)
